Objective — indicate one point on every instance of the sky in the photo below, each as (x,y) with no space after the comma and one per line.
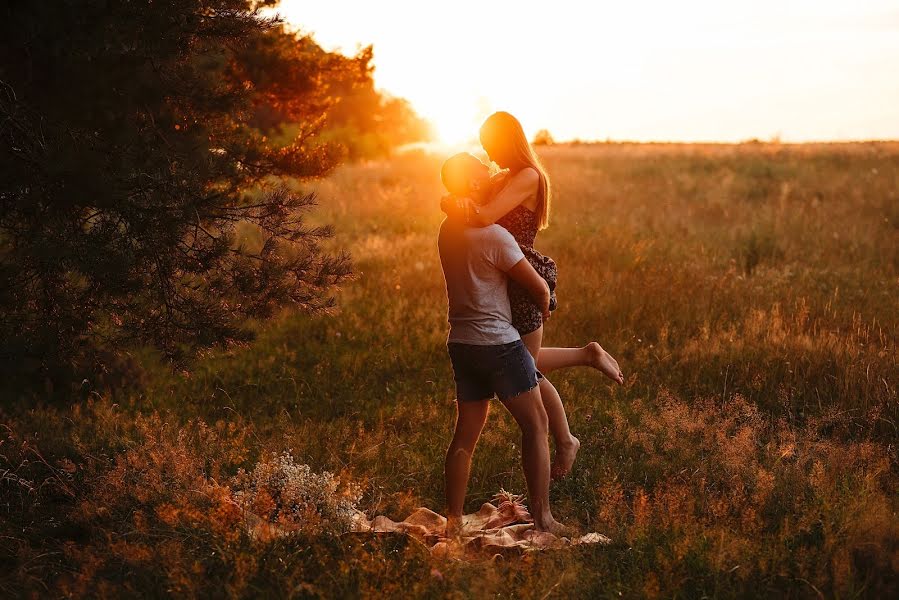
(692,70)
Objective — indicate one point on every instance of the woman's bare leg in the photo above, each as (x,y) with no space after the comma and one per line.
(527,410)
(566,444)
(591,355)
(470,419)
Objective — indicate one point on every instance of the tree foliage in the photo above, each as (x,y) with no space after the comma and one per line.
(543,138)
(143,149)
(365,122)
(370,123)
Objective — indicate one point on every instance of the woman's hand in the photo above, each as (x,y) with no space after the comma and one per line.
(459,207)
(467,207)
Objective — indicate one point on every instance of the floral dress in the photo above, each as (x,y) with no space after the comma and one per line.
(522,223)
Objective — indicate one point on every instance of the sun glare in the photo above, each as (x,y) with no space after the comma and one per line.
(647,70)
(454,122)
(452,128)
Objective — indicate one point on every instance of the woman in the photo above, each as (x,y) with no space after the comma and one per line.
(521,204)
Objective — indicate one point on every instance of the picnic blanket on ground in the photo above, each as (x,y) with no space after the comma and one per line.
(503,524)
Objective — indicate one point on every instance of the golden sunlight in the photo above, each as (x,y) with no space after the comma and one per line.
(268,271)
(456,120)
(648,69)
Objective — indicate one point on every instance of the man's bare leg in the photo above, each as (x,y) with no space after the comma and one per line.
(470,419)
(527,410)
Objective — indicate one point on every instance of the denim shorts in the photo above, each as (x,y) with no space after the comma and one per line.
(506,370)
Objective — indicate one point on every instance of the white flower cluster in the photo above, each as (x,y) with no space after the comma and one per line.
(296,490)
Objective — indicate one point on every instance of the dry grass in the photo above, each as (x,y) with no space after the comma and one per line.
(749,292)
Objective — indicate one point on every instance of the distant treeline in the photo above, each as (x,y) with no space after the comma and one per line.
(364,121)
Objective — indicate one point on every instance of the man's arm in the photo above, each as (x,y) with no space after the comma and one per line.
(524,274)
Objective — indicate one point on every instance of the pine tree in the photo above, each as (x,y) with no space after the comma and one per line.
(135,157)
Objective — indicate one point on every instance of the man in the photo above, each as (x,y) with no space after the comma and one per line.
(488,357)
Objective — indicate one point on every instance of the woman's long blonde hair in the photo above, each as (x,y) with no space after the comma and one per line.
(503,138)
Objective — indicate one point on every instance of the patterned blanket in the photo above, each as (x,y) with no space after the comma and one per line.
(503,524)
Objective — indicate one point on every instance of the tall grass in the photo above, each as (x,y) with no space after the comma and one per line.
(749,293)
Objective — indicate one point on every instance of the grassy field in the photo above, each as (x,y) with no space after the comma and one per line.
(750,293)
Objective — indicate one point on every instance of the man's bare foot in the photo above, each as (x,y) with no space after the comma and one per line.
(564,459)
(552,526)
(603,361)
(453,527)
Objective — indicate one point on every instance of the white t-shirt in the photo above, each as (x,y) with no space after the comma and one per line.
(475,261)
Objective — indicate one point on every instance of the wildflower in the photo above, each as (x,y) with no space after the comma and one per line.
(296,497)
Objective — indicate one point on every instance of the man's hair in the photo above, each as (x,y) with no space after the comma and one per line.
(458,171)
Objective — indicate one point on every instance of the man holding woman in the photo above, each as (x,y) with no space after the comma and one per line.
(500,291)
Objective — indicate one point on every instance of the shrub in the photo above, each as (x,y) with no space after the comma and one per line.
(294,497)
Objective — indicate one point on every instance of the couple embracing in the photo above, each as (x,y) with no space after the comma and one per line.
(500,292)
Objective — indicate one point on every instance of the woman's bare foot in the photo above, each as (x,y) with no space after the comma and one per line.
(550,525)
(603,361)
(564,459)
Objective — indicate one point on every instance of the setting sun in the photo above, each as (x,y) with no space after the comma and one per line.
(451,129)
(455,121)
